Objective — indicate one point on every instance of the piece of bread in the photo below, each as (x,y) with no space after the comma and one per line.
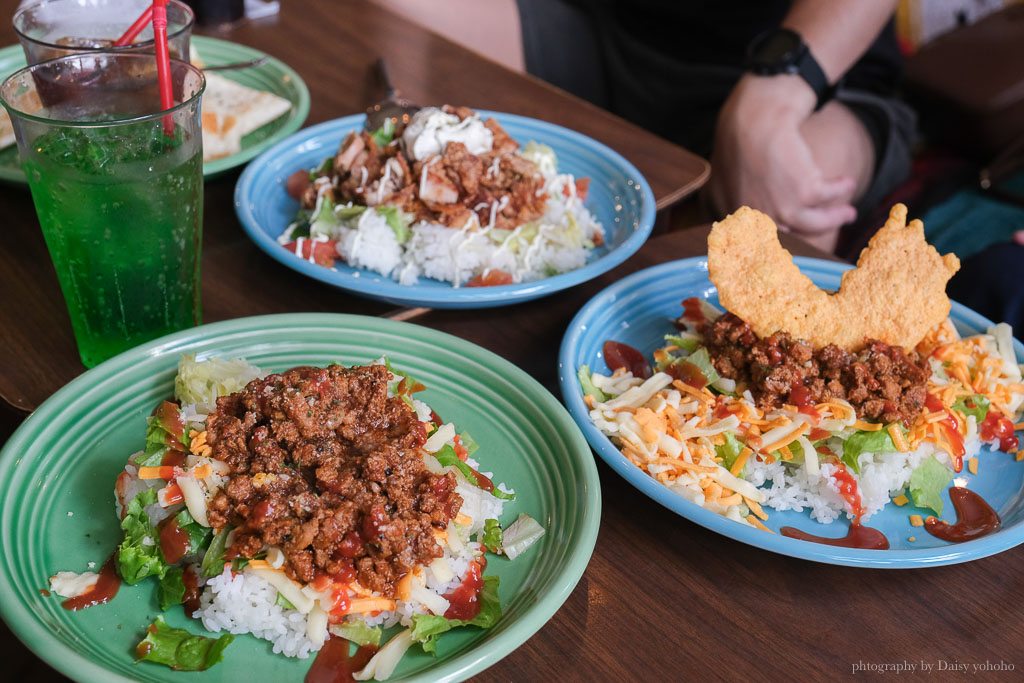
(231,111)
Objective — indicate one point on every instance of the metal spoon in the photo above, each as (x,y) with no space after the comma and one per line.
(259,61)
(393,106)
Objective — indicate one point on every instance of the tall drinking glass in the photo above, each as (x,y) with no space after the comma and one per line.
(57,28)
(120,202)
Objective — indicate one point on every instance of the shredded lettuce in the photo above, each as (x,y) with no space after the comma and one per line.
(324,221)
(446,456)
(689,344)
(202,381)
(729,451)
(179,649)
(198,535)
(520,535)
(397,221)
(172,588)
(385,134)
(927,483)
(427,627)
(866,442)
(491,536)
(283,601)
(411,384)
(213,560)
(699,360)
(976,405)
(357,632)
(345,213)
(587,384)
(469,443)
(136,559)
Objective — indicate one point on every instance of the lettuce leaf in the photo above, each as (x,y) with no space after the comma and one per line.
(345,213)
(520,535)
(685,343)
(202,381)
(213,560)
(358,632)
(700,360)
(198,535)
(587,385)
(729,451)
(446,456)
(469,443)
(385,134)
(927,483)
(172,588)
(976,405)
(135,559)
(396,221)
(491,536)
(179,649)
(866,442)
(427,627)
(283,601)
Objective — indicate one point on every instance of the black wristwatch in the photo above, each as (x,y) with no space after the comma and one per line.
(783,51)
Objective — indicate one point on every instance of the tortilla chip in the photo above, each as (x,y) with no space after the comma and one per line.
(231,111)
(896,293)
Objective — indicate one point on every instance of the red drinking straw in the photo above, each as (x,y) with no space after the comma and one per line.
(135,29)
(163,62)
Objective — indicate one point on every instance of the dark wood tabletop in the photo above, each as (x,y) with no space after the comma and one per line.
(662,598)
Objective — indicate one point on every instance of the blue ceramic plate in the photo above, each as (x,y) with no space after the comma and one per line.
(619,197)
(639,310)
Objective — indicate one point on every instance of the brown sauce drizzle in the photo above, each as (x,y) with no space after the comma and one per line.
(859,536)
(103,591)
(975,518)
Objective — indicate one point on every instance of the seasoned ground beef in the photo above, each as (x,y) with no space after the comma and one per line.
(327,467)
(881,382)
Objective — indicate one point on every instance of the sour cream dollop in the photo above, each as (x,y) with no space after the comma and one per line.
(430,130)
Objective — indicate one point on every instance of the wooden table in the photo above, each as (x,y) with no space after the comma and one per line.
(662,599)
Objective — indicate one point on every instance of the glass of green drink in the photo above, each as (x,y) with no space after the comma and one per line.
(118,192)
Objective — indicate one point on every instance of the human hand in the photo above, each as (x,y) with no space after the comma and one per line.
(1018,237)
(762,159)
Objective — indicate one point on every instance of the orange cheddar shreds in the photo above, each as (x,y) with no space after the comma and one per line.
(972,465)
(897,438)
(741,460)
(900,500)
(915,520)
(756,509)
(756,522)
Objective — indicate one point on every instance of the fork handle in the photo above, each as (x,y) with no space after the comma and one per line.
(381,67)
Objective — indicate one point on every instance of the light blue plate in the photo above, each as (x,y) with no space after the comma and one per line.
(619,197)
(639,310)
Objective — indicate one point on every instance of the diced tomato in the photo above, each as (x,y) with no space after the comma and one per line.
(582,186)
(323,253)
(461,451)
(297,183)
(491,278)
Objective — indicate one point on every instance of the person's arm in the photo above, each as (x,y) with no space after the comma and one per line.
(765,154)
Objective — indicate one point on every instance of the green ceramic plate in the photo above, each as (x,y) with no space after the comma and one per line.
(58,470)
(274,76)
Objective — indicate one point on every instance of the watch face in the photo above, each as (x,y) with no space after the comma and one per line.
(778,47)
